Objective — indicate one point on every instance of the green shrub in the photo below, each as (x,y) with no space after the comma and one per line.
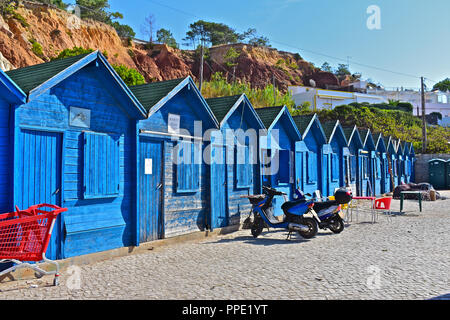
(75,51)
(129,75)
(37,48)
(218,86)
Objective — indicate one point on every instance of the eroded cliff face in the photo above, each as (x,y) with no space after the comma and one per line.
(55,30)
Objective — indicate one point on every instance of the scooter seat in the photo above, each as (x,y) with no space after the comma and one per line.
(319,206)
(291,204)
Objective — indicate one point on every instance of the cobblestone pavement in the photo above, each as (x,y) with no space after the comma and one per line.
(407,258)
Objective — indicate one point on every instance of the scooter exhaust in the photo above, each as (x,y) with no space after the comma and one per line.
(298,227)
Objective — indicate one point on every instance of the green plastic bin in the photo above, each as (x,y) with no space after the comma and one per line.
(438,173)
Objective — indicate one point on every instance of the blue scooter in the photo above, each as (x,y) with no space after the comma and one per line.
(299,215)
(329,212)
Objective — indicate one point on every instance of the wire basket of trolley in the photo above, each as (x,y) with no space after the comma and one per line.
(24,238)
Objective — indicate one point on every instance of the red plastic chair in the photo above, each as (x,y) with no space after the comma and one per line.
(383,205)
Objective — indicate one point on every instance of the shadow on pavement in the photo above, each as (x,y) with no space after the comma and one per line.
(261,241)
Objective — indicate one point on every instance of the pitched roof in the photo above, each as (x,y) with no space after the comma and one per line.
(348,131)
(303,122)
(328,128)
(268,115)
(151,93)
(221,106)
(363,133)
(31,77)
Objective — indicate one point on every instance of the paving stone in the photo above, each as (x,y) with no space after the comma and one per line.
(406,258)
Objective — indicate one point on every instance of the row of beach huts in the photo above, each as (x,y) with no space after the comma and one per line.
(74,135)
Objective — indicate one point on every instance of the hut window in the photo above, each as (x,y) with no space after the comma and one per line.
(101,165)
(188,163)
(334,167)
(244,170)
(312,167)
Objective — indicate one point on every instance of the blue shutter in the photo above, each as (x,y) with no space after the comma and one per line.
(312,167)
(244,171)
(101,166)
(334,167)
(188,166)
(353,166)
(283,166)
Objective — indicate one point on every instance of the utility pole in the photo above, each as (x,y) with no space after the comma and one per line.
(424,118)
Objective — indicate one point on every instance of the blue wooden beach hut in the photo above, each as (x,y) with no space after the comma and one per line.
(391,148)
(400,163)
(75,146)
(355,146)
(412,154)
(407,168)
(339,158)
(10,96)
(318,155)
(173,173)
(382,176)
(235,166)
(369,179)
(278,151)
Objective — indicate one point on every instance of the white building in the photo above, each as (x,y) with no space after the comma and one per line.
(435,101)
(329,99)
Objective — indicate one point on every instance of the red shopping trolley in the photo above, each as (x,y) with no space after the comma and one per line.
(24,237)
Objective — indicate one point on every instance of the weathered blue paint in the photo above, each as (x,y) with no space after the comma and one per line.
(10,95)
(412,153)
(392,155)
(39,158)
(378,173)
(355,145)
(219,217)
(340,152)
(407,168)
(151,190)
(369,180)
(183,211)
(282,141)
(400,163)
(242,126)
(385,175)
(317,159)
(91,224)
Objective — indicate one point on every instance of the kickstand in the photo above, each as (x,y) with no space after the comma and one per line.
(289,235)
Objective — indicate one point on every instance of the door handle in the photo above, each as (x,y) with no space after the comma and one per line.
(159,186)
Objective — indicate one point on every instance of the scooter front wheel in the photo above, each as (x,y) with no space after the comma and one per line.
(312,228)
(257,227)
(337,225)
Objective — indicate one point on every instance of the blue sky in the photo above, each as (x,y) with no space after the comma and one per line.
(414,38)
